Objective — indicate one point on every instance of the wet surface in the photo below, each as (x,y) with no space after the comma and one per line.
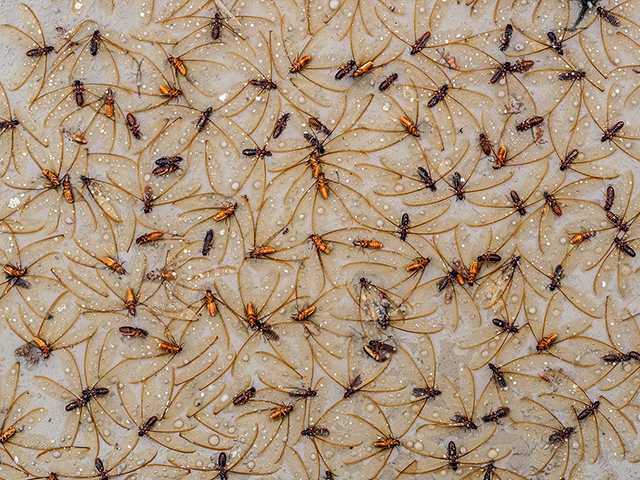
(322,239)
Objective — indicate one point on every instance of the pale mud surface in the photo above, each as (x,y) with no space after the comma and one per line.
(433,385)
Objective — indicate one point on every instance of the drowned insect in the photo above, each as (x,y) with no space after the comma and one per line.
(16,419)
(34,70)
(56,330)
(596,419)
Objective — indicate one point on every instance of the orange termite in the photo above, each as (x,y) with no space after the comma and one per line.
(473,272)
(304,314)
(108,103)
(501,157)
(178,65)
(373,353)
(54,181)
(210,302)
(281,412)
(170,347)
(130,302)
(319,243)
(66,188)
(113,265)
(76,137)
(371,244)
(149,237)
(323,186)
(314,161)
(418,264)
(42,345)
(252,317)
(300,64)
(582,236)
(410,126)
(363,69)
(261,251)
(546,342)
(7,434)
(12,271)
(169,92)
(226,212)
(386,443)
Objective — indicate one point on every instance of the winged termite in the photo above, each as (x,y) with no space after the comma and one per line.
(381,309)
(361,375)
(228,236)
(195,345)
(283,419)
(152,194)
(454,458)
(105,122)
(115,464)
(56,193)
(560,445)
(557,337)
(455,408)
(541,39)
(488,342)
(581,160)
(100,192)
(17,421)
(618,22)
(25,267)
(87,46)
(309,327)
(449,104)
(596,419)
(423,387)
(506,149)
(91,405)
(163,89)
(57,329)
(462,183)
(616,131)
(556,278)
(13,144)
(380,435)
(256,90)
(33,40)
(211,28)
(297,70)
(407,180)
(502,74)
(457,301)
(620,360)
(223,464)
(129,295)
(152,416)
(184,268)
(397,123)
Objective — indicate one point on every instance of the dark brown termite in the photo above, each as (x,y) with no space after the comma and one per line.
(529,123)
(207,243)
(505,38)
